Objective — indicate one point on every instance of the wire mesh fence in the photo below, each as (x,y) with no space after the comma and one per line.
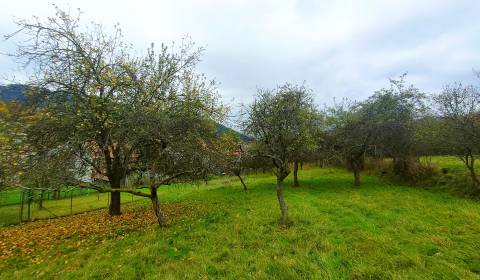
(29,204)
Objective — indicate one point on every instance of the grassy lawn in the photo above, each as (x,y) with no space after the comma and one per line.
(452,163)
(10,214)
(13,196)
(380,231)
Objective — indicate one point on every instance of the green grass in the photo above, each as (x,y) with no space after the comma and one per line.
(452,163)
(13,196)
(380,231)
(10,214)
(454,178)
(9,197)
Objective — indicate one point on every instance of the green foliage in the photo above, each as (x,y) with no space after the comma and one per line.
(110,113)
(459,109)
(15,151)
(381,126)
(438,173)
(349,135)
(282,122)
(392,113)
(429,137)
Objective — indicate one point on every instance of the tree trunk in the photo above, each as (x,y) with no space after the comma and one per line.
(114,208)
(281,202)
(356,174)
(40,200)
(157,208)
(476,181)
(400,166)
(295,174)
(241,181)
(470,162)
(116,175)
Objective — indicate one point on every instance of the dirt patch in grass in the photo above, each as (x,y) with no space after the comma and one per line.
(31,239)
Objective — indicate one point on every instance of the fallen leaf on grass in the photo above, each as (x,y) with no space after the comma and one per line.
(96,226)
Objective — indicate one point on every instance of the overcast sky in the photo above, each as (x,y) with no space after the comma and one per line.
(340,48)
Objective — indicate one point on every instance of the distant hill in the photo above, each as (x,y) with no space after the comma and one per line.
(13,92)
(224,129)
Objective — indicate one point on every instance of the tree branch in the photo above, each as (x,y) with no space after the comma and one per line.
(105,190)
(168,179)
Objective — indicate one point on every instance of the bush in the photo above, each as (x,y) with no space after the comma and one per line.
(424,173)
(458,184)
(419,172)
(416,170)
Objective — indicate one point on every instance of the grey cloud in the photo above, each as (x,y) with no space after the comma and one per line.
(340,48)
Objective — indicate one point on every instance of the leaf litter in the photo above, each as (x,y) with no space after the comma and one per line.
(34,238)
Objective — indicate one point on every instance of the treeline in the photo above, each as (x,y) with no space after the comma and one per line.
(400,123)
(97,111)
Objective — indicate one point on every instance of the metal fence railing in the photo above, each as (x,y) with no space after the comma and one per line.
(27,204)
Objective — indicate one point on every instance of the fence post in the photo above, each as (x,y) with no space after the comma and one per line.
(22,199)
(30,198)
